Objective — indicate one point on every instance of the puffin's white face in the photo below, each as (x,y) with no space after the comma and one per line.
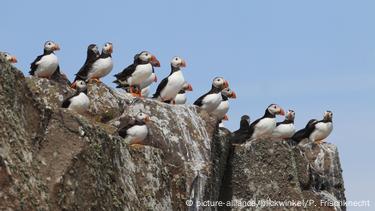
(142,117)
(108,48)
(178,62)
(8,57)
(81,85)
(220,82)
(290,115)
(229,93)
(51,46)
(328,115)
(276,110)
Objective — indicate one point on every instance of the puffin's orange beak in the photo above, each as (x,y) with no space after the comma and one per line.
(282,112)
(147,119)
(56,47)
(74,85)
(154,61)
(110,49)
(13,59)
(226,84)
(234,96)
(225,117)
(183,63)
(189,88)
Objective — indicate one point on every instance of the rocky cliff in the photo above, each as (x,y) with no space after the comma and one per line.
(54,159)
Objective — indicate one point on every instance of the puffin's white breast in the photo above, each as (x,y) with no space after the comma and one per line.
(284,131)
(140,74)
(79,103)
(175,83)
(145,92)
(180,99)
(264,128)
(47,65)
(221,110)
(101,68)
(211,102)
(137,132)
(321,131)
(148,81)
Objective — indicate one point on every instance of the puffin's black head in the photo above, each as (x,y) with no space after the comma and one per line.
(290,115)
(8,57)
(92,49)
(178,62)
(228,93)
(142,117)
(220,83)
(107,48)
(51,46)
(80,86)
(275,110)
(328,116)
(146,57)
(245,118)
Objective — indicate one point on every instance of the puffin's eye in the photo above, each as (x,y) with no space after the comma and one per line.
(176,59)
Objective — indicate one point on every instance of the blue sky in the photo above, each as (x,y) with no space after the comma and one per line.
(309,56)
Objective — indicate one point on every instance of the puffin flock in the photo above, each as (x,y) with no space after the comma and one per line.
(137,78)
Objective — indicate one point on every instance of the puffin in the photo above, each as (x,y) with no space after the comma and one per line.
(135,74)
(8,57)
(92,55)
(316,131)
(285,129)
(300,135)
(242,134)
(78,102)
(263,127)
(171,85)
(45,65)
(181,98)
(137,131)
(102,66)
(212,99)
(221,111)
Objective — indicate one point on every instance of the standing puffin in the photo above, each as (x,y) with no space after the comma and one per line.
(242,134)
(45,65)
(136,131)
(135,74)
(103,65)
(263,127)
(285,129)
(316,131)
(181,96)
(171,85)
(8,57)
(92,55)
(78,102)
(212,99)
(221,111)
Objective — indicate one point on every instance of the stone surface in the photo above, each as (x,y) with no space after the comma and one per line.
(55,159)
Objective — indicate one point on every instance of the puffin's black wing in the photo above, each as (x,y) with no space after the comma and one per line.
(279,123)
(84,71)
(161,86)
(67,101)
(305,132)
(126,73)
(33,65)
(199,101)
(252,127)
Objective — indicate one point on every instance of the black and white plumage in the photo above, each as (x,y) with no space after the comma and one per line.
(181,98)
(286,128)
(8,57)
(242,134)
(136,131)
(45,65)
(145,85)
(135,74)
(221,111)
(316,131)
(92,55)
(78,102)
(263,127)
(171,85)
(103,65)
(212,99)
